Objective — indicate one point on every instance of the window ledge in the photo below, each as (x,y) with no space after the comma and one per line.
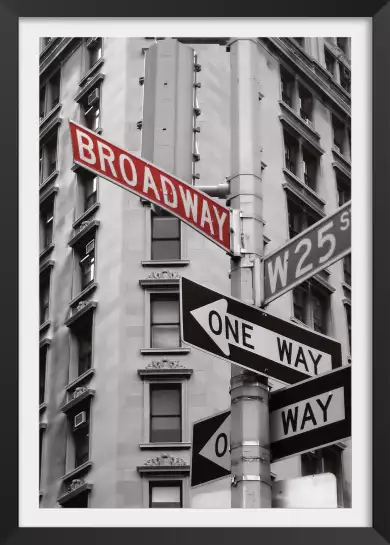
(42,425)
(50,126)
(46,265)
(74,401)
(86,291)
(78,471)
(86,214)
(304,197)
(49,116)
(48,194)
(44,326)
(344,159)
(182,350)
(46,251)
(91,71)
(96,80)
(300,132)
(160,282)
(42,407)
(81,234)
(170,471)
(306,189)
(347,286)
(165,374)
(167,263)
(165,446)
(318,278)
(80,379)
(305,126)
(91,305)
(45,342)
(48,180)
(73,493)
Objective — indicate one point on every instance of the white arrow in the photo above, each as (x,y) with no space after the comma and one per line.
(217,448)
(225,329)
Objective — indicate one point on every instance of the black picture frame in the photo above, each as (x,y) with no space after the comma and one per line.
(10,532)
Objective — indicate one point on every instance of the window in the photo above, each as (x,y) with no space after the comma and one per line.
(300,41)
(165,236)
(311,306)
(47,218)
(164,320)
(80,436)
(347,270)
(348,316)
(41,432)
(299,218)
(287,86)
(90,105)
(48,158)
(305,104)
(94,52)
(291,150)
(343,190)
(87,265)
(88,190)
(49,95)
(44,294)
(326,460)
(299,302)
(83,337)
(330,62)
(79,501)
(165,413)
(310,164)
(345,78)
(165,494)
(42,373)
(342,44)
(341,137)
(311,463)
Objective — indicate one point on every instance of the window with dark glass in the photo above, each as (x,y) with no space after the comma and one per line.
(300,41)
(165,494)
(347,270)
(94,52)
(47,218)
(305,104)
(320,309)
(311,463)
(290,152)
(300,301)
(87,264)
(338,134)
(48,158)
(343,190)
(41,432)
(310,164)
(330,62)
(348,315)
(81,439)
(90,195)
(342,44)
(92,117)
(165,236)
(287,86)
(298,218)
(332,460)
(345,78)
(165,413)
(49,95)
(164,320)
(78,502)
(84,346)
(42,373)
(44,293)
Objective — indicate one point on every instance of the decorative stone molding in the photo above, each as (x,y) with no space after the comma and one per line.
(165,460)
(164,275)
(81,305)
(164,363)
(84,224)
(76,483)
(78,391)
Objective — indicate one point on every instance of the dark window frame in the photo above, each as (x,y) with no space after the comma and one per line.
(173,386)
(161,296)
(155,240)
(165,483)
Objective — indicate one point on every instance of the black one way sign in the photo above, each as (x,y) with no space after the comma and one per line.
(210,456)
(310,415)
(245,335)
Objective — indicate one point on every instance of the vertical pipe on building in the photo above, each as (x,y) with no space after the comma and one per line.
(250,454)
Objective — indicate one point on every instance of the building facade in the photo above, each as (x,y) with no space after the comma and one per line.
(118,389)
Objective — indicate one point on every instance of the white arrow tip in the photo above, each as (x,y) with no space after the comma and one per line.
(212,318)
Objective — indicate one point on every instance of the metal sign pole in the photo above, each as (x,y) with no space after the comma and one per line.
(250,454)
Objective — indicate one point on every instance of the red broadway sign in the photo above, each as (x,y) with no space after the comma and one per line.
(150,182)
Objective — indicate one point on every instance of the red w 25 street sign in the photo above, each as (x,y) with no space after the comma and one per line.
(152,183)
(314,249)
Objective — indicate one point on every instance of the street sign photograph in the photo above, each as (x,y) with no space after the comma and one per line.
(312,414)
(210,454)
(308,253)
(238,333)
(150,182)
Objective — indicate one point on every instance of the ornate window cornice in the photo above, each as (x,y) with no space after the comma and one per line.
(166,464)
(161,278)
(82,308)
(164,369)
